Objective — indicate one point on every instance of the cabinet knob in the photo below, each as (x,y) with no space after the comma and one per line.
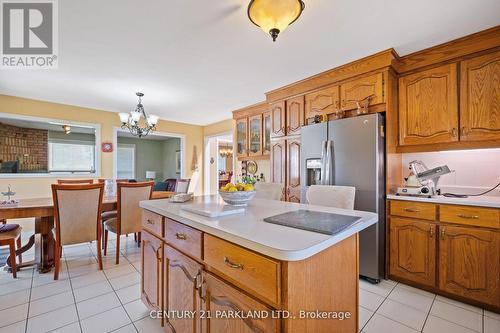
(411,210)
(180,236)
(149,221)
(442,233)
(431,232)
(468,217)
(232,264)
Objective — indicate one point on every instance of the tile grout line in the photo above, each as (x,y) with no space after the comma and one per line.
(428,313)
(375,311)
(29,300)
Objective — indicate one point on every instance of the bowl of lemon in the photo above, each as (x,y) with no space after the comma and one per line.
(239,194)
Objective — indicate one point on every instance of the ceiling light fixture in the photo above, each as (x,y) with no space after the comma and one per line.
(131,120)
(274,16)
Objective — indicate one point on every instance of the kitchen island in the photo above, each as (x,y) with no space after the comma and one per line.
(240,274)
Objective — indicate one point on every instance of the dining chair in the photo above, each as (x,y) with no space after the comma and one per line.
(182,185)
(77,217)
(331,196)
(129,213)
(75,181)
(3,221)
(269,191)
(10,234)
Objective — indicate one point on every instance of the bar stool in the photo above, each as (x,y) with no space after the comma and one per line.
(331,196)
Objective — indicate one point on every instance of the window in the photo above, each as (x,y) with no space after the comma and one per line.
(126,161)
(71,156)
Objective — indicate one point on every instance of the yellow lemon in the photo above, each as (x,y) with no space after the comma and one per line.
(248,187)
(232,189)
(240,186)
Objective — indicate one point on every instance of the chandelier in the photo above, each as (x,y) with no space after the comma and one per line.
(226,152)
(131,120)
(274,16)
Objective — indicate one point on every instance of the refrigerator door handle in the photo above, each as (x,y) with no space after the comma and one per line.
(328,163)
(323,161)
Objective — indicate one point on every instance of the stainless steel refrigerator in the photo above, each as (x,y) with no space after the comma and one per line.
(350,152)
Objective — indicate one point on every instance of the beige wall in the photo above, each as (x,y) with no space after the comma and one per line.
(219,127)
(40,186)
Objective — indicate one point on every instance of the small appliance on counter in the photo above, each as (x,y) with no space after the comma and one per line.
(422,181)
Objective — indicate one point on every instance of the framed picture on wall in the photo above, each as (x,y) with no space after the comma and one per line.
(178,162)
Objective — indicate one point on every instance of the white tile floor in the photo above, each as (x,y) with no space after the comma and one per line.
(87,300)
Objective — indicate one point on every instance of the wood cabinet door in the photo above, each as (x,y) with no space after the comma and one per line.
(361,88)
(428,110)
(323,102)
(255,135)
(293,170)
(278,162)
(469,260)
(152,271)
(278,115)
(184,278)
(242,137)
(294,115)
(221,300)
(266,135)
(480,98)
(413,250)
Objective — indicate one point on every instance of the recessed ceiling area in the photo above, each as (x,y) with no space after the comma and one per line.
(196,61)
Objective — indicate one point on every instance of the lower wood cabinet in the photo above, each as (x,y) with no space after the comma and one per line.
(219,298)
(413,250)
(152,268)
(469,263)
(183,277)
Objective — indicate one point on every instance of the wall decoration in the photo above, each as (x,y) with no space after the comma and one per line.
(107,147)
(194,162)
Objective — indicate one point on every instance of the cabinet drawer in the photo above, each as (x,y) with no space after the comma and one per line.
(248,270)
(476,216)
(413,209)
(184,238)
(152,222)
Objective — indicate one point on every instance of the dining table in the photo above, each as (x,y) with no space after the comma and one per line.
(42,209)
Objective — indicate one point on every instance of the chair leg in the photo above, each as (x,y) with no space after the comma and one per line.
(139,239)
(102,235)
(135,237)
(57,260)
(19,245)
(12,248)
(117,249)
(99,249)
(105,242)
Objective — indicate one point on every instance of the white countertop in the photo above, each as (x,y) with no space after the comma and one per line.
(250,231)
(482,201)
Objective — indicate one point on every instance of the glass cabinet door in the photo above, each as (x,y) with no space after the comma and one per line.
(266,139)
(255,138)
(241,137)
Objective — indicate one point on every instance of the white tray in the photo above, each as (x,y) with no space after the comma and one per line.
(213,209)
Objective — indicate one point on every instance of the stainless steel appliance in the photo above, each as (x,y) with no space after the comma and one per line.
(422,181)
(350,152)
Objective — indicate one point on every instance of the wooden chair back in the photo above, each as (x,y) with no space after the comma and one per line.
(269,191)
(129,212)
(77,212)
(331,196)
(75,181)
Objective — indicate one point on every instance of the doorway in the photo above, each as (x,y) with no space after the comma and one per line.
(219,162)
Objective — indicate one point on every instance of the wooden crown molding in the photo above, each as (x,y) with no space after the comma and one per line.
(371,63)
(251,110)
(477,42)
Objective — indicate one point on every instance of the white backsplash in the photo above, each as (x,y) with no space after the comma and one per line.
(475,170)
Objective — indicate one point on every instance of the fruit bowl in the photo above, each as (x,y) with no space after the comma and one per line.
(238,198)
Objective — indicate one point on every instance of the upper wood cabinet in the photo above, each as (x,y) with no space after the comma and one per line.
(294,115)
(266,136)
(255,135)
(220,297)
(428,106)
(469,263)
(278,115)
(480,98)
(152,268)
(241,137)
(361,88)
(182,282)
(293,170)
(322,102)
(413,250)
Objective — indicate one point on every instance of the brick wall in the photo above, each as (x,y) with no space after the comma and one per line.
(27,145)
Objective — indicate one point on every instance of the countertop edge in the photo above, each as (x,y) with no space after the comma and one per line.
(449,201)
(284,255)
